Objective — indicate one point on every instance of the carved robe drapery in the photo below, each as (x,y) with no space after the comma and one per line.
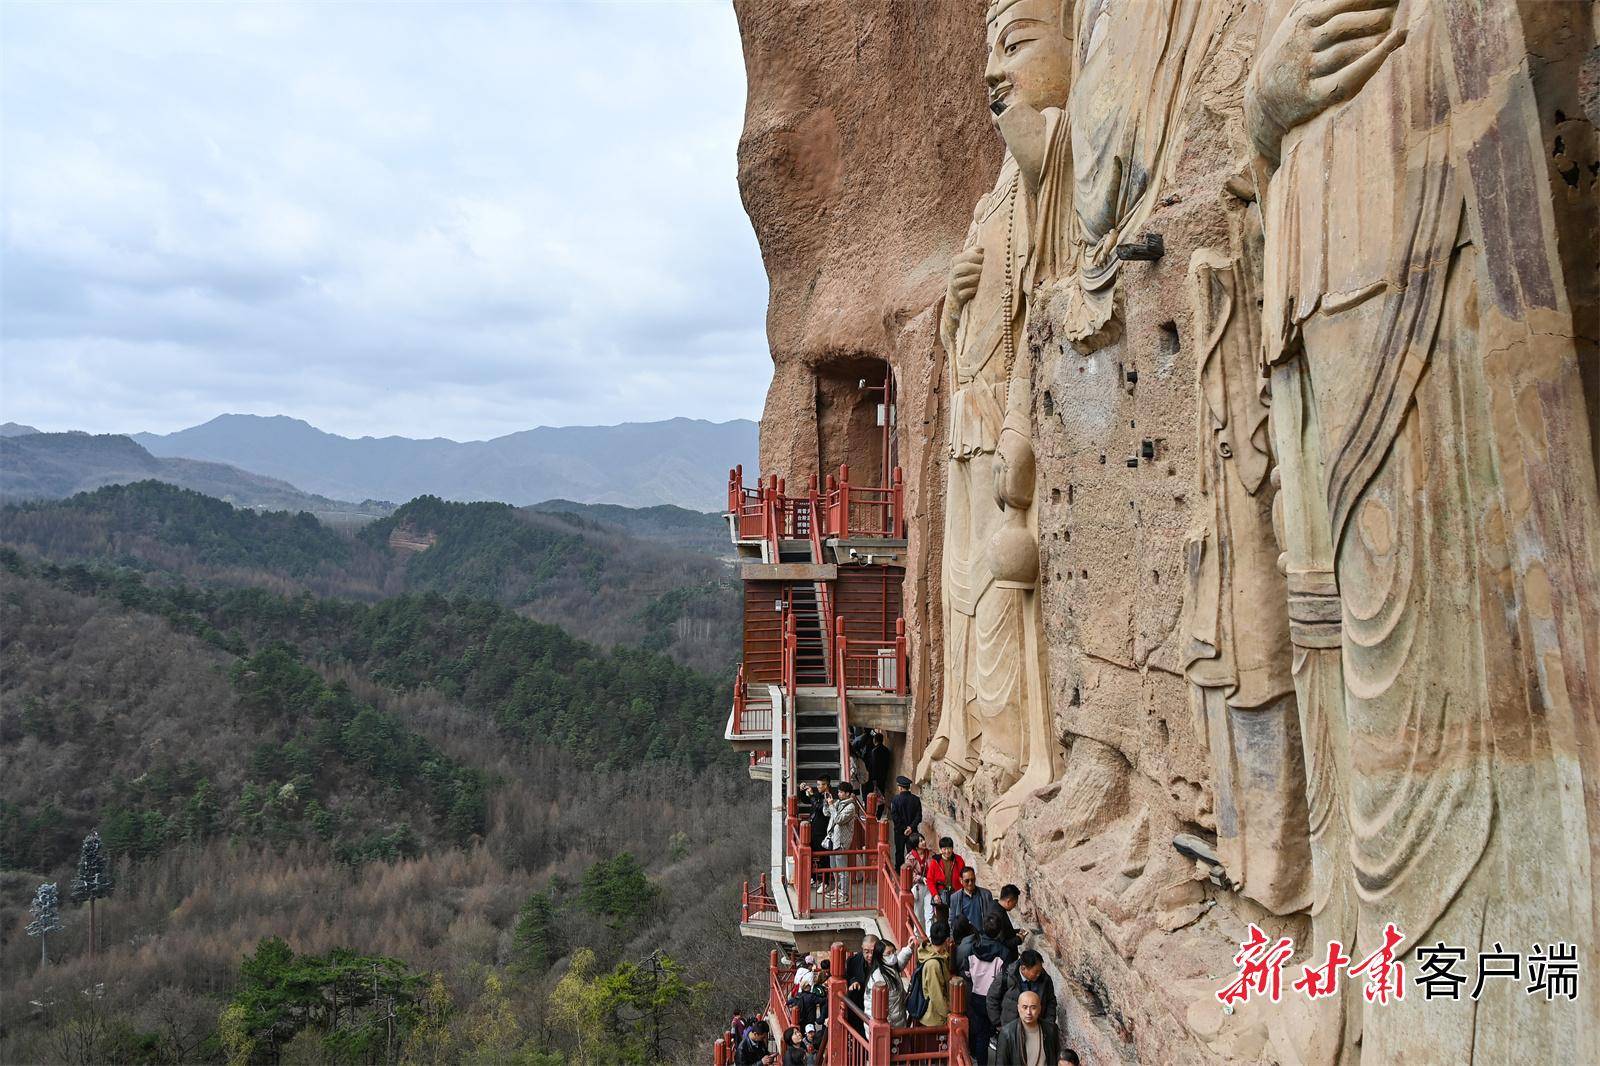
(1134,65)
(1435,801)
(1238,656)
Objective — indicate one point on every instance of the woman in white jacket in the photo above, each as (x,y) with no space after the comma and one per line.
(886,968)
(843,816)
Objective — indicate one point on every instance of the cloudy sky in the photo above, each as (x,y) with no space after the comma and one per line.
(455,220)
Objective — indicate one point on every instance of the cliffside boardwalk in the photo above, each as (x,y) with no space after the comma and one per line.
(1251,572)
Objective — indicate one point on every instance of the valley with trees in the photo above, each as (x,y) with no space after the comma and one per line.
(339,796)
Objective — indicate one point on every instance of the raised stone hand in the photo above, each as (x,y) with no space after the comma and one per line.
(1320,56)
(965,270)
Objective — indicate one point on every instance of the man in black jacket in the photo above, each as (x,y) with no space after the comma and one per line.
(879,760)
(1009,895)
(1031,1040)
(814,808)
(755,1045)
(905,811)
(1025,975)
(857,969)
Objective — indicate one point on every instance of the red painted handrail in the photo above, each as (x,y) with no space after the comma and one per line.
(752,715)
(854,1038)
(780,979)
(866,511)
(871,665)
(758,904)
(748,506)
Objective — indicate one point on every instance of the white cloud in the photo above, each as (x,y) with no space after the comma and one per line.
(455,219)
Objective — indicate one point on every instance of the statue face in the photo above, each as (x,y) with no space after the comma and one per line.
(1030,58)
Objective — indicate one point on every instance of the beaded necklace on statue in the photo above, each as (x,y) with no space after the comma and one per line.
(1008,295)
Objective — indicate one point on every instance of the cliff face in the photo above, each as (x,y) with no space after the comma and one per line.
(1186,422)
(858,202)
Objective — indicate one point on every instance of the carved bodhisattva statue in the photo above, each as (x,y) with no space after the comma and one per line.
(995,731)
(1437,510)
(1237,653)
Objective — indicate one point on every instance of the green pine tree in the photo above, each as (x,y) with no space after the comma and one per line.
(92,882)
(536,938)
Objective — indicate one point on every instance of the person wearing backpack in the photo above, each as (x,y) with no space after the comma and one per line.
(886,971)
(928,1001)
(1025,975)
(983,964)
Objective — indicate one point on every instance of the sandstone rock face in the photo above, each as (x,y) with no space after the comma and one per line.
(1314,491)
(859,163)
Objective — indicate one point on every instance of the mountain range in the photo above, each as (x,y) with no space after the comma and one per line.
(51,466)
(680,461)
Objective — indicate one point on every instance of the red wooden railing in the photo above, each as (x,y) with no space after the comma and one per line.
(836,881)
(780,982)
(866,666)
(841,509)
(870,665)
(752,715)
(748,506)
(722,1050)
(758,904)
(859,1040)
(866,511)
(791,644)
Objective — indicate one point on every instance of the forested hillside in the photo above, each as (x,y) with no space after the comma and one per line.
(596,581)
(675,526)
(489,840)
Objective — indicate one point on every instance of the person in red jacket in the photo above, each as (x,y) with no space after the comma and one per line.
(944,870)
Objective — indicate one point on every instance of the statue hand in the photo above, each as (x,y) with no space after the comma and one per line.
(965,270)
(1319,56)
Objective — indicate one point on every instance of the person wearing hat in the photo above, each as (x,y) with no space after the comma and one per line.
(905,811)
(805,972)
(816,1053)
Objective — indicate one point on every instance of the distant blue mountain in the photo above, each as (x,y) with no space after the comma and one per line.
(681,461)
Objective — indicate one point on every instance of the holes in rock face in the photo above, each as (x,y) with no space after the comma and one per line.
(1083,575)
(1560,146)
(1155,576)
(1102,458)
(1571,175)
(1069,494)
(1055,495)
(1168,345)
(1198,830)
(1161,731)
(1049,403)
(1130,424)
(1147,449)
(1077,697)
(1066,534)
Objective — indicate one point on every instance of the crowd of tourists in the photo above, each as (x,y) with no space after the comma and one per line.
(971,935)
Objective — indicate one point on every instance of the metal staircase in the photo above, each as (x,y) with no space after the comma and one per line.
(816,733)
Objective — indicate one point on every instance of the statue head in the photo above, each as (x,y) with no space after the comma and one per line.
(1030,54)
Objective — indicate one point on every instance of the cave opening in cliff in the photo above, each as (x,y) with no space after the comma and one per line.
(856,423)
